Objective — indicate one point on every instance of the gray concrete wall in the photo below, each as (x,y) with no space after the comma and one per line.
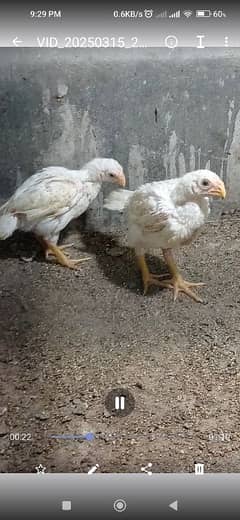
(158,112)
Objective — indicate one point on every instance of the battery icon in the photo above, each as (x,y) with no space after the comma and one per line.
(203,13)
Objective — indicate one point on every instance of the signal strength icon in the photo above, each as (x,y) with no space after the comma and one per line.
(187,13)
(177,14)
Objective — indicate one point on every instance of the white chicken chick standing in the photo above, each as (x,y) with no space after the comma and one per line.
(167,214)
(48,200)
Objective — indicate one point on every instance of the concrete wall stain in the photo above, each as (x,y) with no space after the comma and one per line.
(65,108)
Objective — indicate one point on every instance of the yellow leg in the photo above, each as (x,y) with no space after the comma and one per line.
(176,282)
(62,248)
(147,277)
(61,258)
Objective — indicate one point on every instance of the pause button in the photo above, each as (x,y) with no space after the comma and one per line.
(120,402)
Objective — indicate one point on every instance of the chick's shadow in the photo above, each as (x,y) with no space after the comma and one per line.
(117,261)
(19,245)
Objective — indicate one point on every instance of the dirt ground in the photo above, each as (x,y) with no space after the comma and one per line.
(68,338)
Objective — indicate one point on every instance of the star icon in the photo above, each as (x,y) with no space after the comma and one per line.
(40,469)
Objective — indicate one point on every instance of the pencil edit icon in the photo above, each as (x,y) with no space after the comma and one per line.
(93,469)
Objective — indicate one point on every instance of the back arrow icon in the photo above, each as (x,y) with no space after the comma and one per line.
(16,41)
(174,505)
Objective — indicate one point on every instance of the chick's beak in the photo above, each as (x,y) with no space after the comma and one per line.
(121,180)
(218,190)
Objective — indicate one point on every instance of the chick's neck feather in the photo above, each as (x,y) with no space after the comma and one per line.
(95,169)
(183,192)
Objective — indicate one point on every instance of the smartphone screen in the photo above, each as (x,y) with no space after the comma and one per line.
(119,254)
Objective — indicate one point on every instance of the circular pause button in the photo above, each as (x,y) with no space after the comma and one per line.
(120,402)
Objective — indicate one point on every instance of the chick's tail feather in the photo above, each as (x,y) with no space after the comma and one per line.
(8,224)
(117,200)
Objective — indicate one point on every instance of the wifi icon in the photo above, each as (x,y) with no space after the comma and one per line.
(187,13)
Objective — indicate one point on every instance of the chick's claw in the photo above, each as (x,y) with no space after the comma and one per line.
(74,264)
(178,284)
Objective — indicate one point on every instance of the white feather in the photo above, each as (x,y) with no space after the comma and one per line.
(48,200)
(164,214)
(8,224)
(117,200)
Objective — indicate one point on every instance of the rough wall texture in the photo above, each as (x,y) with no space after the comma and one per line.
(159,112)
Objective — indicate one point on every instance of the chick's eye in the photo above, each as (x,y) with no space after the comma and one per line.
(205,182)
(111,174)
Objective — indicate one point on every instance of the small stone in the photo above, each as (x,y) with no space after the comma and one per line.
(115,251)
(3,429)
(80,409)
(3,410)
(106,414)
(27,258)
(76,401)
(187,426)
(66,411)
(139,385)
(66,419)
(4,444)
(43,416)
